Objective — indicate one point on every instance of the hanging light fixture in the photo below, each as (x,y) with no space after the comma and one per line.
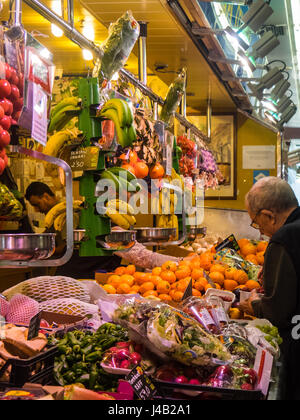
(87,55)
(56,7)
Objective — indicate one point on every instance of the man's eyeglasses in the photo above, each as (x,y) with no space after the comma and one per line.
(255,225)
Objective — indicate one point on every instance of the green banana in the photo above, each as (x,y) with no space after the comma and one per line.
(122,134)
(61,118)
(122,109)
(119,171)
(111,177)
(132,134)
(71,100)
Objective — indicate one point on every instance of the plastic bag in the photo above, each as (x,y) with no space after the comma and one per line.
(174,96)
(123,35)
(233,259)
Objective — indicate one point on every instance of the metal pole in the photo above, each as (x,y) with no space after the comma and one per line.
(209,115)
(71,12)
(17,12)
(143,52)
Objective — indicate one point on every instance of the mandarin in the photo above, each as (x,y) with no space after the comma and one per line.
(182,272)
(165,297)
(109,289)
(195,264)
(260,258)
(157,271)
(206,260)
(183,284)
(177,296)
(208,286)
(199,286)
(248,249)
(252,285)
(150,293)
(155,280)
(243,242)
(130,269)
(169,266)
(168,276)
(229,273)
(120,271)
(123,289)
(241,277)
(135,289)
(114,280)
(217,277)
(197,273)
(146,287)
(140,278)
(218,268)
(163,287)
(252,258)
(196,293)
(262,246)
(230,285)
(126,278)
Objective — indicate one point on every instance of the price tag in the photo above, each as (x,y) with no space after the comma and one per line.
(34,326)
(188,291)
(230,242)
(84,159)
(141,384)
(206,276)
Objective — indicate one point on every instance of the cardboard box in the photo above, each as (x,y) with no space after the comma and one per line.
(102,278)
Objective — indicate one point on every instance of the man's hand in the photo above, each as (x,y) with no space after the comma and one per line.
(246,305)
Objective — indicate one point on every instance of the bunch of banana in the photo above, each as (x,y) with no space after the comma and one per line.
(63,113)
(121,114)
(168,221)
(121,214)
(167,202)
(60,139)
(120,177)
(58,210)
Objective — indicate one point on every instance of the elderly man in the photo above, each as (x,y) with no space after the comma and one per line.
(274,210)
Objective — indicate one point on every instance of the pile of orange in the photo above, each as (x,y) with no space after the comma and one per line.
(169,282)
(252,251)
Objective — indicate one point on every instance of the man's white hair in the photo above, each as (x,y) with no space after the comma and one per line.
(273,194)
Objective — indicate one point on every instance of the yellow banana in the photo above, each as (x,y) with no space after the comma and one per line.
(60,222)
(119,220)
(121,207)
(54,213)
(131,219)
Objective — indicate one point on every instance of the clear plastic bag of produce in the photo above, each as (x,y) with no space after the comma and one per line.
(166,331)
(233,259)
(173,98)
(262,333)
(117,48)
(10,207)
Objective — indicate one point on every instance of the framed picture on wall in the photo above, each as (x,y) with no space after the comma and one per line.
(224,147)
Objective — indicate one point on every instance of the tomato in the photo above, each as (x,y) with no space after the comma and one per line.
(5,89)
(2,113)
(5,122)
(4,139)
(18,105)
(5,104)
(16,117)
(8,72)
(15,93)
(15,80)
(2,166)
(10,107)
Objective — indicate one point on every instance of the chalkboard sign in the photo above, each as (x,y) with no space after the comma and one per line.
(141,384)
(83,159)
(230,242)
(34,326)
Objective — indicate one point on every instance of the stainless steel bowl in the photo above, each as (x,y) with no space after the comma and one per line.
(156,235)
(25,247)
(118,240)
(196,232)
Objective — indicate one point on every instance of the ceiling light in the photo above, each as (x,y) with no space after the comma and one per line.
(87,55)
(288,114)
(284,103)
(272,117)
(56,7)
(88,31)
(271,78)
(256,16)
(268,105)
(264,46)
(56,31)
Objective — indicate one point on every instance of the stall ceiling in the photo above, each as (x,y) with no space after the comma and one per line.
(167,44)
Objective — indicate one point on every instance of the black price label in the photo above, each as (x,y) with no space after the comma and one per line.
(84,159)
(230,242)
(34,326)
(141,384)
(188,291)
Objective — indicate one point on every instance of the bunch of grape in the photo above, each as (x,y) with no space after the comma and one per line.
(271,334)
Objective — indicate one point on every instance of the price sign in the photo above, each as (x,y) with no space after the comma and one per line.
(230,242)
(141,384)
(39,71)
(84,159)
(188,291)
(34,326)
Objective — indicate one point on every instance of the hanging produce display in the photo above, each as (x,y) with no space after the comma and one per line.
(173,98)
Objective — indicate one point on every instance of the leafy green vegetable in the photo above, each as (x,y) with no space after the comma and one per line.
(174,96)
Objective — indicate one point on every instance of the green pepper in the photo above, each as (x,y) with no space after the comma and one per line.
(77,348)
(93,357)
(72,339)
(86,350)
(93,377)
(69,377)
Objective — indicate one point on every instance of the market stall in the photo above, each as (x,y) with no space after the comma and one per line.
(159,325)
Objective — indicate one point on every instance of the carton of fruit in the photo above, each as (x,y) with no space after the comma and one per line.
(228,298)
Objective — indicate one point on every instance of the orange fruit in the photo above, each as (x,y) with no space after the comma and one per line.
(157,171)
(230,285)
(169,266)
(248,249)
(219,268)
(240,277)
(109,289)
(252,258)
(262,246)
(163,287)
(206,260)
(243,242)
(130,269)
(183,284)
(135,289)
(218,286)
(155,280)
(196,292)
(182,272)
(168,276)
(195,264)
(260,258)
(126,278)
(129,168)
(229,273)
(140,277)
(133,157)
(114,280)
(141,170)
(123,289)
(146,287)
(177,296)
(252,285)
(150,293)
(199,286)
(208,286)
(217,277)
(157,271)
(120,271)
(164,297)
(197,273)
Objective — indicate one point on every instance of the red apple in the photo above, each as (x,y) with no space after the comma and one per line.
(5,122)
(4,139)
(5,89)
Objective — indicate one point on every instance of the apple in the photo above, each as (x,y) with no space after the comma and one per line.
(15,93)
(5,122)
(5,89)
(4,139)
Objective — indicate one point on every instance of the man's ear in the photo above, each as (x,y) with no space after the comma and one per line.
(270,214)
